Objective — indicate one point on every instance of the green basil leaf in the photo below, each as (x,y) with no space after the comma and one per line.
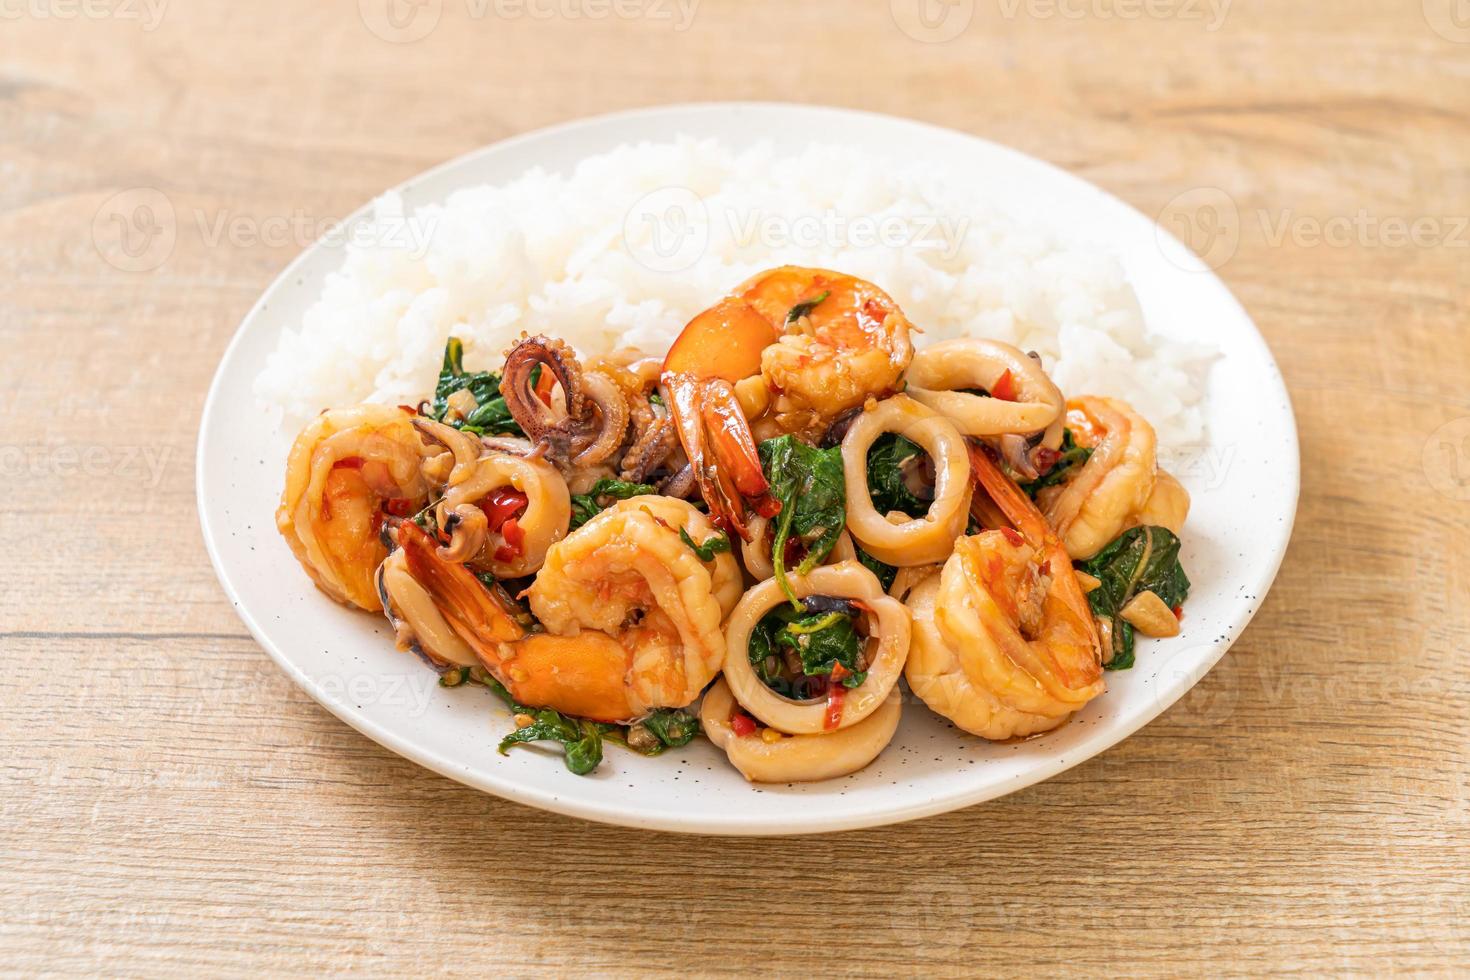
(889,462)
(715,544)
(674,727)
(886,573)
(805,307)
(1142,559)
(491,415)
(586,506)
(808,482)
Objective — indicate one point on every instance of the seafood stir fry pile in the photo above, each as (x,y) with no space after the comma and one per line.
(763,536)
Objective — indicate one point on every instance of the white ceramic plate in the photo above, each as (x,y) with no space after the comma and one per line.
(1244,485)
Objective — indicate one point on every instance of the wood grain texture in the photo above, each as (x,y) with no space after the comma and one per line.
(173,804)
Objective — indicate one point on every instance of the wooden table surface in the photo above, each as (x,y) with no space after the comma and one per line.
(172,803)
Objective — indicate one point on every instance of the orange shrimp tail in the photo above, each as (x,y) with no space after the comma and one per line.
(719,347)
(474,612)
(724,342)
(581,675)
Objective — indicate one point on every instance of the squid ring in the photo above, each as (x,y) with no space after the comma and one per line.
(889,623)
(921,540)
(799,758)
(417,620)
(938,375)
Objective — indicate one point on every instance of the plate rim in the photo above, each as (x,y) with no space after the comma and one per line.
(1289,478)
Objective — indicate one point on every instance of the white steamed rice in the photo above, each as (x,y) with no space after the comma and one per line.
(625,250)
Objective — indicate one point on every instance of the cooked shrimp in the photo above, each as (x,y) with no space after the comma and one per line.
(771,756)
(821,342)
(1114,486)
(502,511)
(901,539)
(888,647)
(346,471)
(936,672)
(1005,641)
(1167,506)
(631,614)
(849,343)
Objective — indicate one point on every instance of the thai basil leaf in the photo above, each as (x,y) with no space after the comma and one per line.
(586,506)
(891,457)
(886,573)
(581,740)
(805,307)
(1142,559)
(808,483)
(824,640)
(674,727)
(491,416)
(820,637)
(715,544)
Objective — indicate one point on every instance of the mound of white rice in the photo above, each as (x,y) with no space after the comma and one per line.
(625,250)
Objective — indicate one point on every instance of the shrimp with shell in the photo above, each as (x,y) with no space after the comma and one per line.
(1005,643)
(629,615)
(815,343)
(348,472)
(1119,486)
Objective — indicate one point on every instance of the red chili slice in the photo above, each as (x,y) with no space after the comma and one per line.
(1005,388)
(515,541)
(544,384)
(402,507)
(836,695)
(502,505)
(742,724)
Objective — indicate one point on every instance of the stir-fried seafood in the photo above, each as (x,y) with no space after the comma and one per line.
(348,470)
(898,516)
(816,343)
(902,539)
(1004,640)
(1116,488)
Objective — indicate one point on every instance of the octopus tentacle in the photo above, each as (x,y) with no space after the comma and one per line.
(654,440)
(607,425)
(533,415)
